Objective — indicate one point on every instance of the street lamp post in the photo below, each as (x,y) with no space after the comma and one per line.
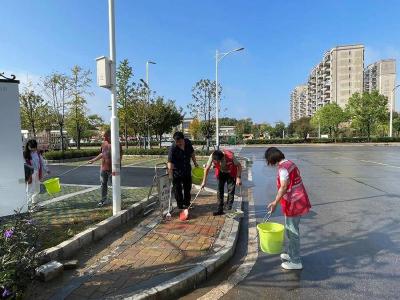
(115,153)
(148,96)
(218,58)
(391,111)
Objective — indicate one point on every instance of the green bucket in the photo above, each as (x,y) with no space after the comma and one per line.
(52,185)
(271,237)
(197,175)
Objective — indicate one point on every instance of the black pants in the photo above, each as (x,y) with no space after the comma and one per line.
(185,183)
(231,184)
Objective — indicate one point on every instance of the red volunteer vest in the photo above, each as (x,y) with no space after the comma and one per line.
(295,202)
(229,163)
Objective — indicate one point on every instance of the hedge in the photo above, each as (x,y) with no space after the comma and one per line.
(58,155)
(324,140)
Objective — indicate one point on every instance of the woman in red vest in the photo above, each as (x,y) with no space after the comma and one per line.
(227,170)
(294,202)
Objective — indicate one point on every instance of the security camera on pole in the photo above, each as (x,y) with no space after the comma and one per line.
(106,77)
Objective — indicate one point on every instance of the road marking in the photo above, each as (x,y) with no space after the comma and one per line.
(252,254)
(139,162)
(378,163)
(63,197)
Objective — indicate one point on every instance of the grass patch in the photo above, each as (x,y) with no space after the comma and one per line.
(61,220)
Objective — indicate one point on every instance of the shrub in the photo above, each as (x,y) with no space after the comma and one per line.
(18,254)
(58,155)
(324,140)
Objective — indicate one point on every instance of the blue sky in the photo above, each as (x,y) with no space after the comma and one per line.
(283,40)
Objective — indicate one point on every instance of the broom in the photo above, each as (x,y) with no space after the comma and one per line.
(183,216)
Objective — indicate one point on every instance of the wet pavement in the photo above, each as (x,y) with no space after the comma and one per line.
(350,241)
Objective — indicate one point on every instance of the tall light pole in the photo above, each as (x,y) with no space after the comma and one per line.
(148,95)
(115,155)
(218,58)
(391,111)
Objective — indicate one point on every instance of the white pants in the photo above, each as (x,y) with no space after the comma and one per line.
(33,189)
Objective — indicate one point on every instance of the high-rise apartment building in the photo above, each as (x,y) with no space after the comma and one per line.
(381,76)
(298,102)
(333,80)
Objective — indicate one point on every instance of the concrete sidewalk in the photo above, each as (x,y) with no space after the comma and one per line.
(141,257)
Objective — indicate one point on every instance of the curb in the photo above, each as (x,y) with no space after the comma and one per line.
(70,247)
(224,247)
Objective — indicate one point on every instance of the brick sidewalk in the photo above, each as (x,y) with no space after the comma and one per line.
(143,256)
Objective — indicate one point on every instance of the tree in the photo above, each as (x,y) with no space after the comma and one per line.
(195,129)
(125,95)
(243,126)
(79,84)
(165,116)
(366,110)
(58,89)
(329,117)
(203,105)
(396,126)
(303,127)
(32,106)
(278,130)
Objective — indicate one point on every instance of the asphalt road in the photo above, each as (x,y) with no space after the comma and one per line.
(90,175)
(350,241)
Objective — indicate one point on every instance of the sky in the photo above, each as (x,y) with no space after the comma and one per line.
(283,40)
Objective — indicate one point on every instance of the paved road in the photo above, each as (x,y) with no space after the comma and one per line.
(350,240)
(90,175)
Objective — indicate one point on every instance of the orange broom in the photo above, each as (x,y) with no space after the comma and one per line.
(184,215)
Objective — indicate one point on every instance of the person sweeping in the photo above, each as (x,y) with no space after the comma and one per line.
(294,201)
(227,170)
(180,169)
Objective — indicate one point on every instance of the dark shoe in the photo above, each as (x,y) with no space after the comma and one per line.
(218,213)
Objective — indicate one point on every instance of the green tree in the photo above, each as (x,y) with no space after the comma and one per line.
(79,86)
(329,118)
(58,90)
(31,105)
(195,129)
(366,110)
(278,130)
(396,126)
(125,90)
(303,127)
(244,126)
(165,116)
(203,105)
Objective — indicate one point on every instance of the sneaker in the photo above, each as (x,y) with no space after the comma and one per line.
(218,213)
(287,265)
(285,256)
(101,203)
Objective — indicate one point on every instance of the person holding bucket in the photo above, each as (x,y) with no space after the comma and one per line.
(294,201)
(35,161)
(180,169)
(105,168)
(227,170)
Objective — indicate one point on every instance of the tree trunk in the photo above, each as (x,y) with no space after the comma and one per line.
(160,139)
(78,142)
(62,138)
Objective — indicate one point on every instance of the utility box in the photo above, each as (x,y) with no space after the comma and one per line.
(12,176)
(103,65)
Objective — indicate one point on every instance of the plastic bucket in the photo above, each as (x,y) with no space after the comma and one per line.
(197,175)
(271,237)
(52,185)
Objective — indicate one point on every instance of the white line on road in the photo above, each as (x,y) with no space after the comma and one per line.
(63,197)
(252,254)
(378,163)
(141,161)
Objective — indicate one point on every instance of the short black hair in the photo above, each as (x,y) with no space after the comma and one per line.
(273,156)
(27,152)
(178,135)
(218,155)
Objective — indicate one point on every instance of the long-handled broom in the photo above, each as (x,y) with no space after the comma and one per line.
(184,215)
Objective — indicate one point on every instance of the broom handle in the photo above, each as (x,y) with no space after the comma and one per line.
(73,169)
(198,193)
(267,216)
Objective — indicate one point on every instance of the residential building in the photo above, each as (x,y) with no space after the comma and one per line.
(381,76)
(333,80)
(227,131)
(298,102)
(184,126)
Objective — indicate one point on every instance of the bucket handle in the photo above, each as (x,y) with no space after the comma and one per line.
(267,216)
